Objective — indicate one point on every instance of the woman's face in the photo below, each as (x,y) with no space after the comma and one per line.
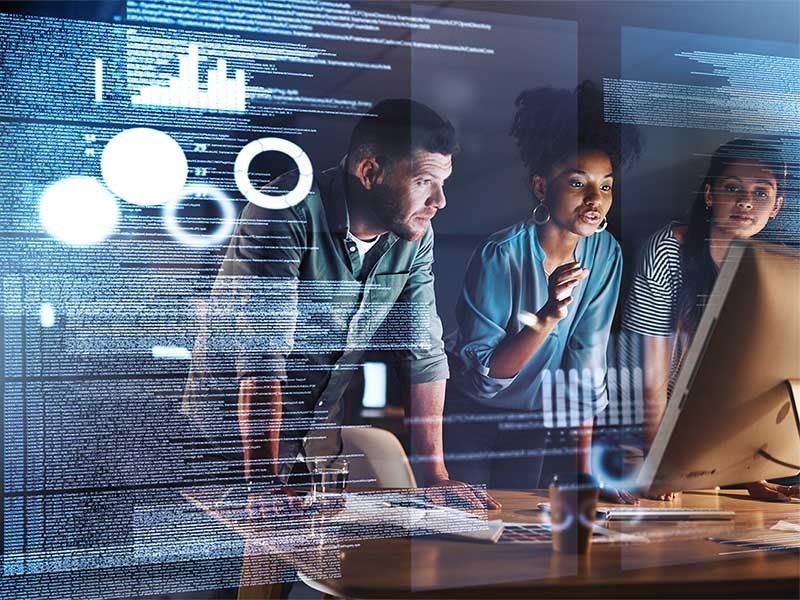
(742,200)
(578,192)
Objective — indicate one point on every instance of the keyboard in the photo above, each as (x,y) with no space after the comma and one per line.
(541,533)
(762,539)
(640,513)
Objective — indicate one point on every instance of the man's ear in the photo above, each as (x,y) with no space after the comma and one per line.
(777,208)
(539,185)
(369,172)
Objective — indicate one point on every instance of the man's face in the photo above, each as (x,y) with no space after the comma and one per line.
(411,192)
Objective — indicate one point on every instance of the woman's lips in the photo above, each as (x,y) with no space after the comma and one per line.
(591,216)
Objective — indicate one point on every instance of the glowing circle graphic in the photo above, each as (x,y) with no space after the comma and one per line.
(602,455)
(184,235)
(144,166)
(78,211)
(270,144)
(563,525)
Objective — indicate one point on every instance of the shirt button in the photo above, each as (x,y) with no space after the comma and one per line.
(352,248)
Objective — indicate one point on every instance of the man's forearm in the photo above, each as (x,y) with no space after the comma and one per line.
(427,405)
(259,415)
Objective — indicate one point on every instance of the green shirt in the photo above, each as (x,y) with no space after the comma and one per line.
(293,302)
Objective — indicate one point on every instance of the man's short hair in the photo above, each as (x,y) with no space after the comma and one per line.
(394,129)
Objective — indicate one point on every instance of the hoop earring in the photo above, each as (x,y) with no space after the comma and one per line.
(603,225)
(539,217)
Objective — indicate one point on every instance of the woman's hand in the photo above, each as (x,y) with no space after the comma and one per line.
(664,497)
(559,290)
(774,492)
(618,496)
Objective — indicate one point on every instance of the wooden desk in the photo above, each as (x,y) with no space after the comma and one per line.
(678,562)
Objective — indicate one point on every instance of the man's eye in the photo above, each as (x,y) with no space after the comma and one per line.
(760,194)
(423,182)
(731,188)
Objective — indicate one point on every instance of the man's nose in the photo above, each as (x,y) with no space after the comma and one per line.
(744,202)
(438,199)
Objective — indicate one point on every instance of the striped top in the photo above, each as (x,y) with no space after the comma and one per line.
(652,306)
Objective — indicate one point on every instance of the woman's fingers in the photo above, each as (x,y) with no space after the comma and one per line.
(570,266)
(568,271)
(762,490)
(567,281)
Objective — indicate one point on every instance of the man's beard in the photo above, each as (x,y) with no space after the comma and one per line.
(388,208)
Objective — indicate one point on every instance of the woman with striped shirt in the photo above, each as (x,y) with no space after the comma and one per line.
(742,191)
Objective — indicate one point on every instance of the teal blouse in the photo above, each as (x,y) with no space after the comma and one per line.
(568,372)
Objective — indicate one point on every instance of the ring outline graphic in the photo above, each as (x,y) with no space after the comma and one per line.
(218,236)
(241,175)
(564,524)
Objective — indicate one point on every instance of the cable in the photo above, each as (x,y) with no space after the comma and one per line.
(768,456)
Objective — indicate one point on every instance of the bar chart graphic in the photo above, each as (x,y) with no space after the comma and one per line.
(221,93)
(567,397)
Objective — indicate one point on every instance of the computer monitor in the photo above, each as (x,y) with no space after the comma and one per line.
(734,414)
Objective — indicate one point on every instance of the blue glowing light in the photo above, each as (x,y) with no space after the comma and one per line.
(608,468)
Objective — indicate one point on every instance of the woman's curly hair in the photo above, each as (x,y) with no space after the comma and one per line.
(550,125)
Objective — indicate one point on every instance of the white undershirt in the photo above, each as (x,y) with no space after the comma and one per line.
(362,246)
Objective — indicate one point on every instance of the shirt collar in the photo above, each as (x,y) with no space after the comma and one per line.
(538,251)
(337,212)
(336,207)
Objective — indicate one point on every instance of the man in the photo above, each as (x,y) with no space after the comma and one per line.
(332,268)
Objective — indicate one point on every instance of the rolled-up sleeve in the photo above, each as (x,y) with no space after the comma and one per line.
(427,361)
(585,354)
(483,313)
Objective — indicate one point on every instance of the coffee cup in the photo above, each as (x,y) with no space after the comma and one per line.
(573,504)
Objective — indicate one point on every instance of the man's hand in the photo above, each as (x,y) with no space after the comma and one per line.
(774,492)
(279,501)
(474,497)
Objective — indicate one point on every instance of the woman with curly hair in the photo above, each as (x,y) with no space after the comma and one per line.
(538,299)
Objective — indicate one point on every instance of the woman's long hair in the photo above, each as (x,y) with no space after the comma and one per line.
(697,267)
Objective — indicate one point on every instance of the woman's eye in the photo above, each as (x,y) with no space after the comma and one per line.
(760,194)
(605,187)
(731,188)
(576,183)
